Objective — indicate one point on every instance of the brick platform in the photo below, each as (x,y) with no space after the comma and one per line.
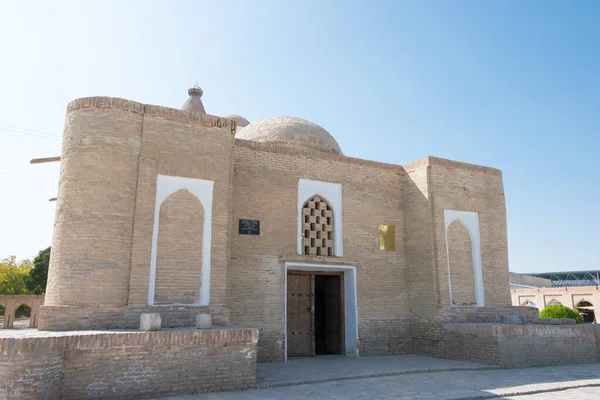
(514,346)
(125,364)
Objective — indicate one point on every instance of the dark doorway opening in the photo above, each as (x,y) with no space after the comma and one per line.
(328,302)
(586,310)
(315,317)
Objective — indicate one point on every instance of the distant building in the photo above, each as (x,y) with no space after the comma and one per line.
(526,281)
(578,290)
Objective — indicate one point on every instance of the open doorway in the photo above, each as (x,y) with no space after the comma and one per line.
(328,314)
(586,310)
(315,314)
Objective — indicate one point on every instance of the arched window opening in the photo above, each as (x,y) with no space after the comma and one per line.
(317,227)
(22,314)
(586,310)
(2,312)
(554,302)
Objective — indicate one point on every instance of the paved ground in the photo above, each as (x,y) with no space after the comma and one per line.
(413,384)
(589,393)
(323,368)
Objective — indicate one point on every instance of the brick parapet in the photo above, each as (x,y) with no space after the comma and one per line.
(150,110)
(484,314)
(56,318)
(520,345)
(401,169)
(127,364)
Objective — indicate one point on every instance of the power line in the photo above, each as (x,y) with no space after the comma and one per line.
(26,131)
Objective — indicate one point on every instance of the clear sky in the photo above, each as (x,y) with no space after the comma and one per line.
(513,85)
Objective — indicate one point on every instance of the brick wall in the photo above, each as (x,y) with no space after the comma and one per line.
(517,346)
(91,248)
(83,318)
(12,302)
(423,288)
(568,296)
(113,150)
(112,153)
(462,276)
(190,145)
(538,345)
(126,364)
(265,187)
(464,187)
(485,314)
(179,250)
(471,342)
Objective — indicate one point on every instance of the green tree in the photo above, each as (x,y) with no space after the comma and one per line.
(14,275)
(38,276)
(560,311)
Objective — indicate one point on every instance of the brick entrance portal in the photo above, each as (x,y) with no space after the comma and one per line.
(321,315)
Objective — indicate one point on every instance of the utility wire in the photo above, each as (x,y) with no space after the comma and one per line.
(26,131)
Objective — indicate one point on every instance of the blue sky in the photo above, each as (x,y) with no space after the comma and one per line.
(509,84)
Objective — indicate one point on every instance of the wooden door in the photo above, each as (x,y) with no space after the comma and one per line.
(333,310)
(300,315)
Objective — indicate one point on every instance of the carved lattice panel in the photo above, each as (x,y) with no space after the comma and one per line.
(317,227)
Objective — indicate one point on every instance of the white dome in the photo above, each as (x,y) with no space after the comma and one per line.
(290,130)
(240,121)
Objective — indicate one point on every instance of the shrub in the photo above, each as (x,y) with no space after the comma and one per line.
(560,311)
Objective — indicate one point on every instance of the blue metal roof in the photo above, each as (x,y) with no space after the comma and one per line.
(571,278)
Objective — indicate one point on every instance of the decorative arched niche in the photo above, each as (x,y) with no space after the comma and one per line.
(327,193)
(183,188)
(469,221)
(178,275)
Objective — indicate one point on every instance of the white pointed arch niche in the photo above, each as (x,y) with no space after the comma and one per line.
(470,221)
(332,193)
(203,191)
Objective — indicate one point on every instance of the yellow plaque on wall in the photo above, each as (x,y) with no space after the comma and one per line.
(387,237)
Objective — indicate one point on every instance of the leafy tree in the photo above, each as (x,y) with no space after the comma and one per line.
(560,311)
(38,276)
(13,275)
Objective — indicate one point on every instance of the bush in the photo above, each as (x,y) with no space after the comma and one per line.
(560,311)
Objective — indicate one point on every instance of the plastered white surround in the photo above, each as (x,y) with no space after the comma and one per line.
(470,220)
(332,192)
(350,301)
(203,190)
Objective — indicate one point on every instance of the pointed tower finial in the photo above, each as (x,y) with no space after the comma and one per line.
(194,103)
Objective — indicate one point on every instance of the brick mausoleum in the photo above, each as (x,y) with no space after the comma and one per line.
(269,225)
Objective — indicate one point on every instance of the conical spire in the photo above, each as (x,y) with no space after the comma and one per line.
(194,103)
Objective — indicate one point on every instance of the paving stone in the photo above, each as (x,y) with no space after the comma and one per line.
(448,385)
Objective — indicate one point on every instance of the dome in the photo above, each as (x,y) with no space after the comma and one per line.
(239,120)
(194,103)
(290,130)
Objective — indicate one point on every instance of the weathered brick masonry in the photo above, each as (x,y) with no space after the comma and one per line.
(521,345)
(12,302)
(370,197)
(126,365)
(119,249)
